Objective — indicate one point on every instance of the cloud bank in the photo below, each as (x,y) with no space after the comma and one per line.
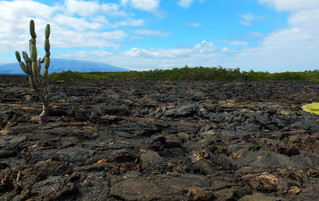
(93,30)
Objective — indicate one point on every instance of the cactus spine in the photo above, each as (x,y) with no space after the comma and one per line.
(32,68)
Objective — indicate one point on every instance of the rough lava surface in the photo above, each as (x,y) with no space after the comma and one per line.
(151,140)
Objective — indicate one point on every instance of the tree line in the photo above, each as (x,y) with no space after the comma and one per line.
(189,73)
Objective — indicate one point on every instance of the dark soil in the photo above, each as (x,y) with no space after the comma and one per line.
(134,140)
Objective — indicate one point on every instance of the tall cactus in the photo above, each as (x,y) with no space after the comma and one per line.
(32,68)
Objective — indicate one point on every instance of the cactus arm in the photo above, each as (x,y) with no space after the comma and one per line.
(32,29)
(46,59)
(47,31)
(22,65)
(25,56)
(24,68)
(18,56)
(47,46)
(27,62)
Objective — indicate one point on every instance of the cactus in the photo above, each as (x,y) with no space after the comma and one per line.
(32,68)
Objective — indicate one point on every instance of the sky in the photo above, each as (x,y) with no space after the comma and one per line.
(262,35)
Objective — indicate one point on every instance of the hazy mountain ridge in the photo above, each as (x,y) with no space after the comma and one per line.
(59,65)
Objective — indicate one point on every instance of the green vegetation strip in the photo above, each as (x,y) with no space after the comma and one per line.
(187,73)
(312,108)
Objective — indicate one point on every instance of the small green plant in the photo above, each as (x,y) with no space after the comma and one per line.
(32,68)
(312,108)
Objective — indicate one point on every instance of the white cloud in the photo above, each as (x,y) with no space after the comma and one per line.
(291,5)
(202,53)
(235,42)
(69,38)
(286,49)
(185,3)
(193,24)
(74,23)
(94,24)
(204,47)
(253,34)
(143,59)
(131,22)
(102,21)
(85,55)
(21,9)
(157,53)
(124,2)
(82,8)
(248,18)
(79,24)
(146,5)
(282,50)
(89,8)
(112,10)
(14,20)
(148,32)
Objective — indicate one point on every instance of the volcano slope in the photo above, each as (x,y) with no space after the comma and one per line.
(152,140)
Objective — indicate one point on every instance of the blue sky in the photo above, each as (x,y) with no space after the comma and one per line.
(263,35)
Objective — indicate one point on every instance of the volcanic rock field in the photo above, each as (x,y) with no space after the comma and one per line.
(159,141)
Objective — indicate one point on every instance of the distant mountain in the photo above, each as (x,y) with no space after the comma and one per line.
(59,65)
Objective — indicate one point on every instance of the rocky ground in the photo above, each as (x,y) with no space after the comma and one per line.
(134,140)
